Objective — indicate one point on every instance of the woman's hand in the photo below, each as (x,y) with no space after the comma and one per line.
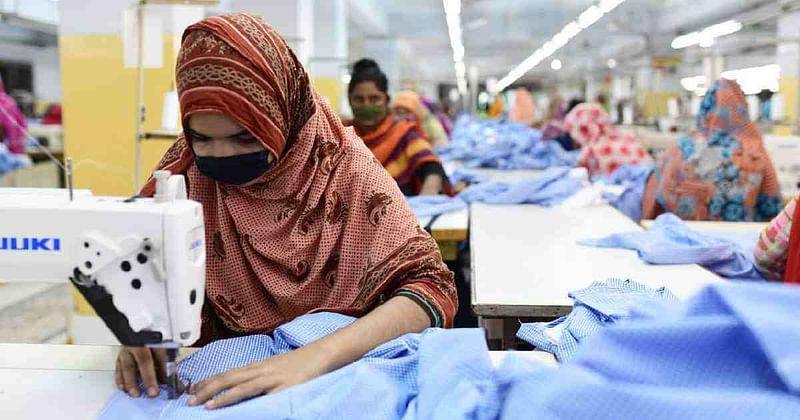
(270,376)
(141,362)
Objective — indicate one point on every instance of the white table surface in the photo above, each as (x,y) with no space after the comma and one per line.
(39,381)
(525,259)
(745,227)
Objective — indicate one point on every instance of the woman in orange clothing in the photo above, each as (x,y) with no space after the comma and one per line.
(720,172)
(396,142)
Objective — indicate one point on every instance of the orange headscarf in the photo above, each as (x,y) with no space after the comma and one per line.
(719,172)
(326,228)
(524,110)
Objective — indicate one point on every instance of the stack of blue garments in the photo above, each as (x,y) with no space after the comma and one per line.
(495,144)
(10,162)
(434,205)
(671,241)
(731,352)
(549,188)
(595,307)
(631,181)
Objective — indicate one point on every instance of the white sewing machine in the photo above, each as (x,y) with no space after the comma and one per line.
(140,262)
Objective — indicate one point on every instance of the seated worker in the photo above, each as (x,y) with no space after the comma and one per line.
(603,148)
(299,217)
(409,105)
(719,172)
(396,142)
(777,253)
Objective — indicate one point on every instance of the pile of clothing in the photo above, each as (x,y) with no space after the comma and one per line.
(670,241)
(729,353)
(495,144)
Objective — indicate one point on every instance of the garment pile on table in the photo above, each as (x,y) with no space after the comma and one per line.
(549,188)
(630,182)
(595,307)
(495,144)
(670,241)
(726,353)
(434,205)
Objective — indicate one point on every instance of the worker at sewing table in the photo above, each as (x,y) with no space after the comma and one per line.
(299,217)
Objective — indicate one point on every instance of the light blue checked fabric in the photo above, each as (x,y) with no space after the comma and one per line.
(671,241)
(404,378)
(496,144)
(633,180)
(549,188)
(731,352)
(595,307)
(434,205)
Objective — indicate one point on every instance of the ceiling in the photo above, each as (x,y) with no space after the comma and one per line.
(499,34)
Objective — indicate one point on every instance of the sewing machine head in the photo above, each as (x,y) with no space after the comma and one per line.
(140,262)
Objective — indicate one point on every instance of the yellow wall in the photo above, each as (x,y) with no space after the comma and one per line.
(331,88)
(789,89)
(100,111)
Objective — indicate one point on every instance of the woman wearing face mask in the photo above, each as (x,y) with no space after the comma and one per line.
(299,217)
(396,142)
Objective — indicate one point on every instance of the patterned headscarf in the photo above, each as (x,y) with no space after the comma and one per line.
(604,149)
(719,172)
(326,228)
(12,122)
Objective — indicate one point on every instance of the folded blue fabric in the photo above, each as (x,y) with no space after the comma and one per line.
(549,188)
(496,144)
(436,374)
(595,307)
(633,180)
(434,205)
(671,241)
(730,352)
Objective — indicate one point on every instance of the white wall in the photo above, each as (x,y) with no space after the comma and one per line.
(45,64)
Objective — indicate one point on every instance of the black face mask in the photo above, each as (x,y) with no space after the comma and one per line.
(234,170)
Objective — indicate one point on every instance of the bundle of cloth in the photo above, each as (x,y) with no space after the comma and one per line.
(670,241)
(495,144)
(738,359)
(11,161)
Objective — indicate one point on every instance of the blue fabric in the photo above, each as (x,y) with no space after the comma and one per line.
(550,188)
(460,175)
(599,305)
(10,162)
(434,205)
(495,144)
(671,241)
(730,352)
(437,374)
(633,180)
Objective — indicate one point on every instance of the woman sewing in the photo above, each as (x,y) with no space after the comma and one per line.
(299,217)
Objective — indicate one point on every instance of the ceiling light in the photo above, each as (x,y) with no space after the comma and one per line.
(705,38)
(589,16)
(477,23)
(555,64)
(612,63)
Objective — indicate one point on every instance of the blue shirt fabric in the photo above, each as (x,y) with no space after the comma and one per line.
(434,205)
(549,188)
(404,378)
(633,180)
(599,305)
(671,241)
(495,144)
(730,352)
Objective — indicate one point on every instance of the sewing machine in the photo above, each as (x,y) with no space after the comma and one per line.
(140,262)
